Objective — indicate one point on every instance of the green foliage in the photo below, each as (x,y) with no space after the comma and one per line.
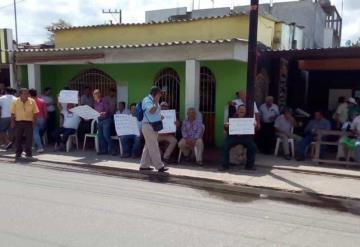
(59,24)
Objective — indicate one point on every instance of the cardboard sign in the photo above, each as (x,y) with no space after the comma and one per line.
(126,125)
(241,126)
(168,122)
(86,112)
(69,96)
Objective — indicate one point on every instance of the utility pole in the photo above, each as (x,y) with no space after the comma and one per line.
(14,69)
(116,11)
(16,29)
(252,48)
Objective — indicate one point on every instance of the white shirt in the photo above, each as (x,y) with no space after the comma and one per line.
(49,100)
(239,102)
(5,104)
(71,120)
(342,111)
(269,114)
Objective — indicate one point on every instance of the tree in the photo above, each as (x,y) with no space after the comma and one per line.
(59,24)
(356,43)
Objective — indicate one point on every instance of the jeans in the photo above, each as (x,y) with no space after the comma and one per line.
(134,149)
(305,142)
(106,144)
(247,142)
(65,132)
(38,132)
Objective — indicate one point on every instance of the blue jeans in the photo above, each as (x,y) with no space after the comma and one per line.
(38,131)
(126,142)
(106,144)
(305,142)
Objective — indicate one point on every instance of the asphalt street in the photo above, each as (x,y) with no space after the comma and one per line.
(46,207)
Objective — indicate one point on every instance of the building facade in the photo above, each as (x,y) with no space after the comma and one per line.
(196,65)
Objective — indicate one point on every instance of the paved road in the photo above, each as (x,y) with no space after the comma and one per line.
(42,207)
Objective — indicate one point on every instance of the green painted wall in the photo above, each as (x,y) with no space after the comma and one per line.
(230,77)
(24,82)
(140,77)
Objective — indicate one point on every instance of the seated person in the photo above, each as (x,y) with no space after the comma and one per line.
(192,132)
(233,140)
(131,144)
(284,126)
(318,123)
(122,108)
(347,142)
(169,138)
(70,125)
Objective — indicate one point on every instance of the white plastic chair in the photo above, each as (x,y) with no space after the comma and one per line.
(120,145)
(196,152)
(291,142)
(92,134)
(72,139)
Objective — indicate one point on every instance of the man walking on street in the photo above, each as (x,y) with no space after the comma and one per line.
(151,154)
(23,118)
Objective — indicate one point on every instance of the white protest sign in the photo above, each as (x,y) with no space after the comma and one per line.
(168,121)
(241,126)
(69,96)
(126,125)
(86,112)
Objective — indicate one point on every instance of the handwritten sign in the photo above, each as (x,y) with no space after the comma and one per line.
(69,96)
(168,121)
(86,112)
(126,125)
(241,126)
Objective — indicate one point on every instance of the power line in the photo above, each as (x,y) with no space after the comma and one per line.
(114,12)
(11,4)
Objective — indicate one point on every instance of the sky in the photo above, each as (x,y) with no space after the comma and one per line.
(35,15)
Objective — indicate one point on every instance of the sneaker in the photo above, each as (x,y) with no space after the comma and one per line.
(40,150)
(30,159)
(163,169)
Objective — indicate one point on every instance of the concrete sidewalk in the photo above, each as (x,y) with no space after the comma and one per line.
(273,173)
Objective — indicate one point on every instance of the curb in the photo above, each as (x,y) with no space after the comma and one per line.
(340,203)
(326,173)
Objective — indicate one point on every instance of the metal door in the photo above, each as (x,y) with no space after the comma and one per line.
(95,79)
(169,81)
(207,103)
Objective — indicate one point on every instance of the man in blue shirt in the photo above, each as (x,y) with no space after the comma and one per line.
(151,154)
(318,123)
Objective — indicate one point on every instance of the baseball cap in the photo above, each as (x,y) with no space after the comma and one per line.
(352,101)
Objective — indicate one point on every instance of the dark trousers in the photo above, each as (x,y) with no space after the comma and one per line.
(266,139)
(247,142)
(84,127)
(50,125)
(23,129)
(65,135)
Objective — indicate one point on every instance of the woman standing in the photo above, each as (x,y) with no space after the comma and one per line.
(104,124)
(151,154)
